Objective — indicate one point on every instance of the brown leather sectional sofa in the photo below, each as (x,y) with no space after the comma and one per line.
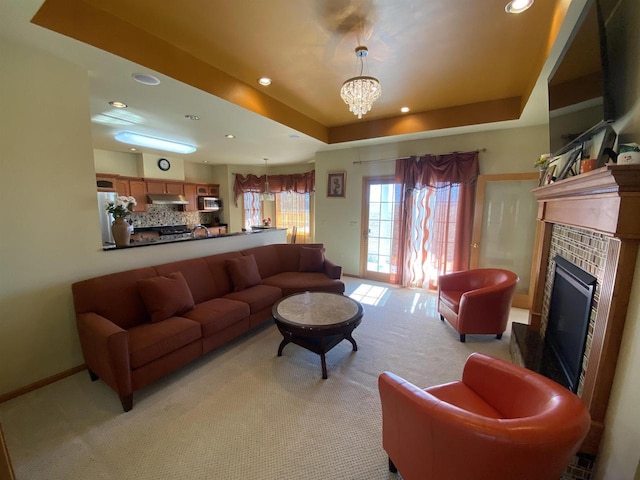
(139,325)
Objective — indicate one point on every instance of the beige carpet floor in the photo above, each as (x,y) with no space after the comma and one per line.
(241,412)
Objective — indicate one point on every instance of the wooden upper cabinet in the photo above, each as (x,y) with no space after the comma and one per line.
(138,190)
(106,182)
(122,186)
(190,195)
(208,190)
(173,188)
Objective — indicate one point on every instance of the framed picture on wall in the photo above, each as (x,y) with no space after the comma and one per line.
(336,184)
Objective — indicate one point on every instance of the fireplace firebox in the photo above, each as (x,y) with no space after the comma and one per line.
(568,321)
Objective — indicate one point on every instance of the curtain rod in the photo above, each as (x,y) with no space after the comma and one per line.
(355,162)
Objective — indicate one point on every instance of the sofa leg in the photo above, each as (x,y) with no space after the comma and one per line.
(392,467)
(441,318)
(499,336)
(463,337)
(92,375)
(127,402)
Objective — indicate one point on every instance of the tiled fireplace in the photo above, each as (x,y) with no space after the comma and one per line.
(591,221)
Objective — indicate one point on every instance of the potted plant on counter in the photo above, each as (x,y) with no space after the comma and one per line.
(120,209)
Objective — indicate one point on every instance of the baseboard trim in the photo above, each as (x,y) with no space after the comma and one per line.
(41,383)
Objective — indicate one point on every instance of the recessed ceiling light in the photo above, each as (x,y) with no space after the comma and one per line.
(152,142)
(264,81)
(133,149)
(518,6)
(145,79)
(229,135)
(404,109)
(205,161)
(116,104)
(192,117)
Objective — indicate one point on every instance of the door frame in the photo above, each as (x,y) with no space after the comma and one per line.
(364,222)
(520,300)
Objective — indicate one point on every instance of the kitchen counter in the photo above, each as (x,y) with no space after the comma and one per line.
(160,241)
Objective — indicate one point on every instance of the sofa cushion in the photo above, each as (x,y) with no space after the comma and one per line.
(197,274)
(150,341)
(166,296)
(451,299)
(97,295)
(243,272)
(460,395)
(267,259)
(311,259)
(258,297)
(295,282)
(218,269)
(217,314)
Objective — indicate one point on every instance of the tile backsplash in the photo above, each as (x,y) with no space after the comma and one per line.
(161,215)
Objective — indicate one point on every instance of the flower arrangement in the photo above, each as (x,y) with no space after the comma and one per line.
(543,161)
(122,207)
(266,221)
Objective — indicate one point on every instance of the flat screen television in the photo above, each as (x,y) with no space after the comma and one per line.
(579,88)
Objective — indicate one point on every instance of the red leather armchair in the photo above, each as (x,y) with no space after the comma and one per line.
(500,422)
(477,301)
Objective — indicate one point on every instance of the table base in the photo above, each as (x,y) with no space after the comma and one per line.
(317,344)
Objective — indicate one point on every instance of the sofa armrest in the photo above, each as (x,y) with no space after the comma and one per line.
(105,347)
(332,270)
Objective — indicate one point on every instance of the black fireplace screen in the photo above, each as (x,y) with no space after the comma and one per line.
(568,321)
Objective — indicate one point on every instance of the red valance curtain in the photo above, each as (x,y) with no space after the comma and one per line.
(297,182)
(437,216)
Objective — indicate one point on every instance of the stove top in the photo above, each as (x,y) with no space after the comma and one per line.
(173,229)
(163,230)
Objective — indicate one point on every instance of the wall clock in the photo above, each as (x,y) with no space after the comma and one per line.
(164,164)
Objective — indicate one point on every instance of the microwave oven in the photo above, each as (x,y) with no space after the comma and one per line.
(210,204)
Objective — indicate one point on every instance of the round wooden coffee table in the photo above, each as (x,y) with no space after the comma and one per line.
(317,321)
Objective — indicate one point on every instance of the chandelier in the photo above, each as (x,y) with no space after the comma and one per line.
(267,196)
(360,92)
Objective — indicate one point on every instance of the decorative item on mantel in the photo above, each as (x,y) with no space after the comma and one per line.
(541,164)
(120,228)
(266,222)
(629,154)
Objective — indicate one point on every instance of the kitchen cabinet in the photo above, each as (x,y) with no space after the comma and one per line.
(138,190)
(122,187)
(191,196)
(106,182)
(173,188)
(208,190)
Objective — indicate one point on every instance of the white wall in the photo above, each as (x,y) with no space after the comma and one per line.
(48,206)
(118,163)
(338,220)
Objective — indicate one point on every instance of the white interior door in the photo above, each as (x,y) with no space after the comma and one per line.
(505,228)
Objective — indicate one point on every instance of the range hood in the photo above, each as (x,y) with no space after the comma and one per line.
(166,199)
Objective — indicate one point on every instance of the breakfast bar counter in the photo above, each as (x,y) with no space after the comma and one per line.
(189,238)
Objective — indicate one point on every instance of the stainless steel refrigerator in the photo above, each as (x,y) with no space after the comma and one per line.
(105,217)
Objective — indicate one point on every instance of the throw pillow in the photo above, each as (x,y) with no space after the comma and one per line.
(165,297)
(243,272)
(311,259)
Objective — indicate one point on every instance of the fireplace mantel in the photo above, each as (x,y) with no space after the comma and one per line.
(607,201)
